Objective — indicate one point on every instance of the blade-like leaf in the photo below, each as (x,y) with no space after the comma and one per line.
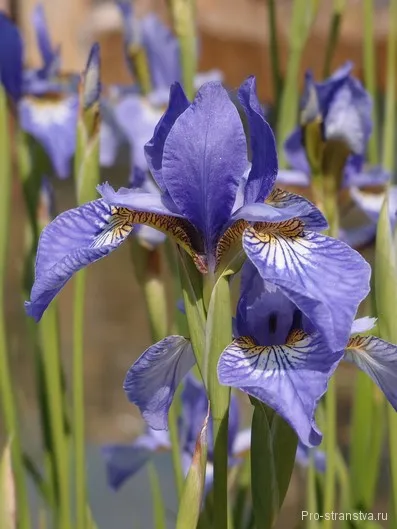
(386,295)
(273,449)
(8,515)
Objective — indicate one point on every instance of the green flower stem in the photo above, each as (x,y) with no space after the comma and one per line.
(274,53)
(53,383)
(141,68)
(334,30)
(78,399)
(332,215)
(311,493)
(303,12)
(389,130)
(330,448)
(370,77)
(218,336)
(6,389)
(183,15)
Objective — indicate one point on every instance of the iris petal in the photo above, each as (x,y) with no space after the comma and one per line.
(375,176)
(132,199)
(292,177)
(349,116)
(152,381)
(75,239)
(162,50)
(289,378)
(378,359)
(137,120)
(264,155)
(123,461)
(154,149)
(295,152)
(324,277)
(363,324)
(11,57)
(371,203)
(53,124)
(205,155)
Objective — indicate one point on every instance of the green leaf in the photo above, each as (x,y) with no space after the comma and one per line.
(158,503)
(386,295)
(273,449)
(367,435)
(192,496)
(218,336)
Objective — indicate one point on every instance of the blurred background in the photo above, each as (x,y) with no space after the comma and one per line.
(234,39)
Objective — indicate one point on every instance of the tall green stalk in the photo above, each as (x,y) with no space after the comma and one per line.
(52,378)
(218,336)
(332,215)
(370,77)
(274,54)
(303,13)
(389,127)
(86,177)
(6,389)
(183,15)
(333,35)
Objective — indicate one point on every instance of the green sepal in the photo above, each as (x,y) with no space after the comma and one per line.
(314,144)
(193,490)
(192,289)
(273,450)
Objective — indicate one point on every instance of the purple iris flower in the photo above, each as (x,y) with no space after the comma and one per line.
(215,203)
(279,357)
(343,107)
(47,100)
(123,461)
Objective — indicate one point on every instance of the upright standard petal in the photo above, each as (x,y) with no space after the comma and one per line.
(47,52)
(205,156)
(348,116)
(72,241)
(264,155)
(291,177)
(52,122)
(123,461)
(152,381)
(324,277)
(162,50)
(295,152)
(154,149)
(11,57)
(137,119)
(289,378)
(378,359)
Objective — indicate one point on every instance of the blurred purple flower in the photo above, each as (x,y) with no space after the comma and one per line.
(344,109)
(123,461)
(47,100)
